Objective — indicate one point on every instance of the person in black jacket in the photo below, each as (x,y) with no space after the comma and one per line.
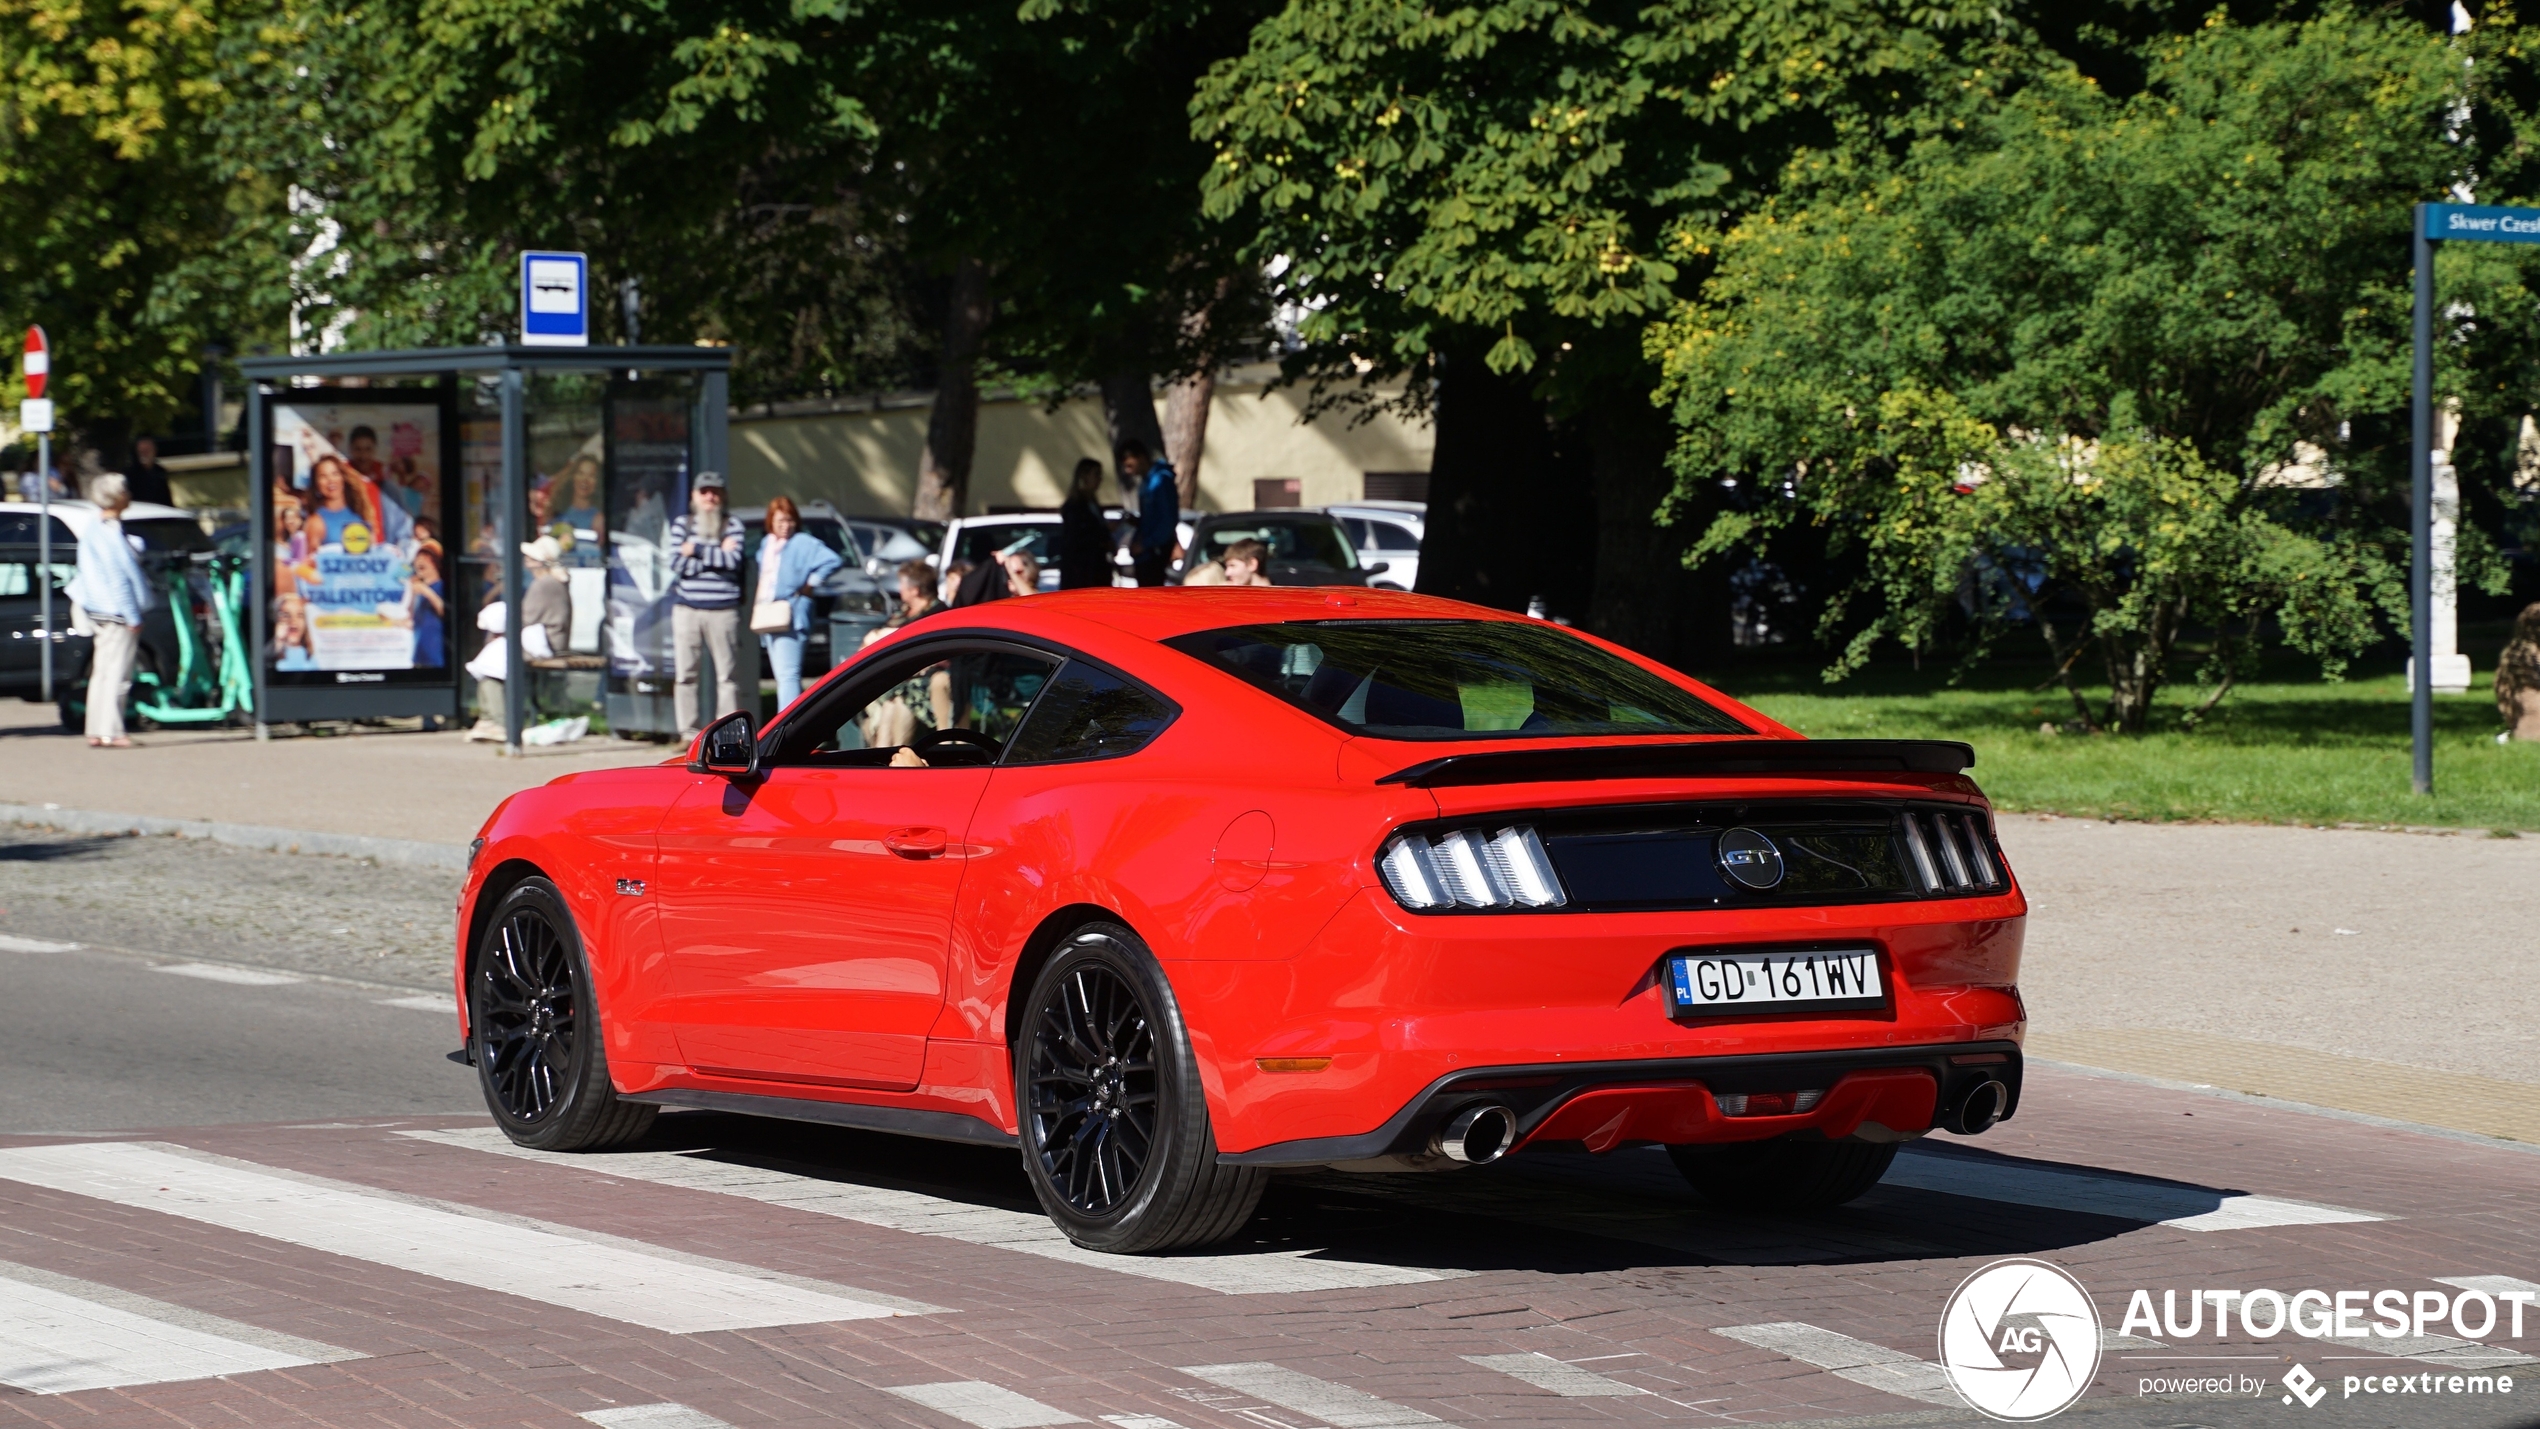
(145,478)
(1084,538)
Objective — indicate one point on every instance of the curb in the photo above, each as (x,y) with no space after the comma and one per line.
(413,852)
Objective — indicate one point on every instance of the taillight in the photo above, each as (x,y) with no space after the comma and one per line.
(1471,868)
(1951,853)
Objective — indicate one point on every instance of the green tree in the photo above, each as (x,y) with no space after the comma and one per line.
(2102,341)
(856,194)
(1474,191)
(109,201)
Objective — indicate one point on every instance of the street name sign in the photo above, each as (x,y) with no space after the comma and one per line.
(2481,223)
(555,300)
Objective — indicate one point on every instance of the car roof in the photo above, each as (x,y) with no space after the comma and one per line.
(82,512)
(1162,612)
(1290,515)
(1415,510)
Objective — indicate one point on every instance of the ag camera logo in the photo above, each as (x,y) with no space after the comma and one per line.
(2019,1340)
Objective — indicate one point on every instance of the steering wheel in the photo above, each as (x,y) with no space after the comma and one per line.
(957,740)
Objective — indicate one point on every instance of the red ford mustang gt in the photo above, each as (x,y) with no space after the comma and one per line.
(1170,888)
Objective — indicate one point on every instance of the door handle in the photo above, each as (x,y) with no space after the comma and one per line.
(915,843)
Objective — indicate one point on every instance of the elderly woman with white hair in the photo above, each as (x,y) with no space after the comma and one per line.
(109,595)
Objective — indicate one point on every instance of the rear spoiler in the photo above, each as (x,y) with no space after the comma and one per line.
(1828,758)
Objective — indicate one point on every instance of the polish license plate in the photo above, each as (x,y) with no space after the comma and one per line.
(1841,979)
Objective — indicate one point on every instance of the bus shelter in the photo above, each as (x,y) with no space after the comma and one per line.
(394,494)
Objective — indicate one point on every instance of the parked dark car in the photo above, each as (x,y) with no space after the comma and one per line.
(167,536)
(1306,547)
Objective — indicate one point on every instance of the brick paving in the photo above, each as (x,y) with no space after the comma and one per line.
(1603,1263)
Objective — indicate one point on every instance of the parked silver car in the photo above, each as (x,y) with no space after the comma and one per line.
(1386,533)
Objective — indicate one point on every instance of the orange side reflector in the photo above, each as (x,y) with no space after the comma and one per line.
(1292,1064)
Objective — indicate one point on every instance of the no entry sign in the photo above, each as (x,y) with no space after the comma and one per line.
(35,414)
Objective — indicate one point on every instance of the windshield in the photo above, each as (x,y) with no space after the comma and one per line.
(1315,542)
(980,544)
(1454,679)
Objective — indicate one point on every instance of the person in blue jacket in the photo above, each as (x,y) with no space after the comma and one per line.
(790,564)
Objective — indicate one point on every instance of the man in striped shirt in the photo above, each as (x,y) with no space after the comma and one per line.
(705,601)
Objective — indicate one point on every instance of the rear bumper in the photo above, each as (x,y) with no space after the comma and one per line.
(1675,1100)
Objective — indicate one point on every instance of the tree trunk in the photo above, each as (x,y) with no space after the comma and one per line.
(1645,598)
(1128,407)
(1489,486)
(1186,429)
(952,427)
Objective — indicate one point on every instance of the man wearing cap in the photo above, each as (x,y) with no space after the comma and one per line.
(705,600)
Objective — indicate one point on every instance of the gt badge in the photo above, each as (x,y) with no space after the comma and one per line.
(1750,859)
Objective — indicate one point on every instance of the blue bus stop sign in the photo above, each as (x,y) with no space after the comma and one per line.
(2481,223)
(555,300)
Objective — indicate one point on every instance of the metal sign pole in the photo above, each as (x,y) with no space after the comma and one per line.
(44,556)
(508,530)
(2421,516)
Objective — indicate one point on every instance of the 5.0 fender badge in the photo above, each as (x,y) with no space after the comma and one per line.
(1749,859)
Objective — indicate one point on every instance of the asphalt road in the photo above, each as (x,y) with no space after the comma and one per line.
(104,1036)
(277,1025)
(93,1041)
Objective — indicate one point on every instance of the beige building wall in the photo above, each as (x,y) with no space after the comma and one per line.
(862,458)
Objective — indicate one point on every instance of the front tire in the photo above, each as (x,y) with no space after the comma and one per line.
(535,1029)
(1783,1175)
(1116,1139)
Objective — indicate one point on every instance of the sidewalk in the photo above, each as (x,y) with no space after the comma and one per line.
(433,788)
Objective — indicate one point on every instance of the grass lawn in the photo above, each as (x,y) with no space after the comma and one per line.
(2288,749)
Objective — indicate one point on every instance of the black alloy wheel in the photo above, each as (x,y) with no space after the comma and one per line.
(1116,1140)
(536,1033)
(1093,1088)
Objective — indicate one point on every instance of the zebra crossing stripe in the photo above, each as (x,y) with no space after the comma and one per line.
(59,1335)
(2059,1188)
(1238,1273)
(1335,1404)
(987,1406)
(1555,1376)
(1859,1361)
(578,1270)
(652,1416)
(221,972)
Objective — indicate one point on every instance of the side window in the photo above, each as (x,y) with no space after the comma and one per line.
(1088,714)
(1392,539)
(956,707)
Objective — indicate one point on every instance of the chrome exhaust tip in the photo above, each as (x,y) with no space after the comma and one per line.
(1479,1135)
(1979,1109)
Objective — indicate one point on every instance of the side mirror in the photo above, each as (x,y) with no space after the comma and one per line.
(1379,568)
(727,747)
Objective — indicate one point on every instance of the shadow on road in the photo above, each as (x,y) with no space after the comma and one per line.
(1551,1211)
(65,849)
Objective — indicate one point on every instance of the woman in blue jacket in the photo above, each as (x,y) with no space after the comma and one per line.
(789,565)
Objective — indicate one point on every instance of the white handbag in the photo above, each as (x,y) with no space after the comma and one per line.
(772,617)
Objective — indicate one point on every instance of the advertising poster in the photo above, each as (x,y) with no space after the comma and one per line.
(361,574)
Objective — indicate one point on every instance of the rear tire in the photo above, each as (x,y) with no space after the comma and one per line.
(1783,1175)
(1115,1131)
(534,1027)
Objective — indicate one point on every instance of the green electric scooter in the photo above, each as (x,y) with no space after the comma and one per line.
(202,693)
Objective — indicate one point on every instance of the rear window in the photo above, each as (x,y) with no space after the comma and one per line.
(1319,542)
(1454,679)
